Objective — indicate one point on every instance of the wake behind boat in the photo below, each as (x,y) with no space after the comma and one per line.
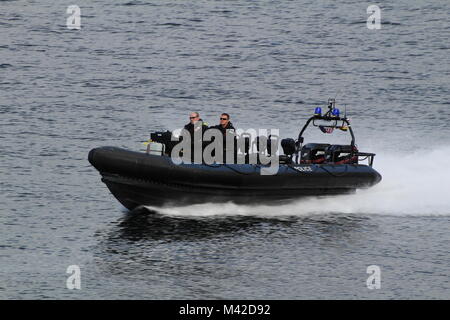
(313,169)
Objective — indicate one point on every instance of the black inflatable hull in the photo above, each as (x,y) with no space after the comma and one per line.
(137,179)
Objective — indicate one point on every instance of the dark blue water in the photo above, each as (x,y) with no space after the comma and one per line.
(136,66)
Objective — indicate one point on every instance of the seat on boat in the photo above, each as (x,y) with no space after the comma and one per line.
(288,146)
(341,154)
(313,153)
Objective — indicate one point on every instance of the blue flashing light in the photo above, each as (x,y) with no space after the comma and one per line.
(335,112)
(318,111)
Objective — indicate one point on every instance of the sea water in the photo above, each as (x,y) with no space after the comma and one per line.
(136,66)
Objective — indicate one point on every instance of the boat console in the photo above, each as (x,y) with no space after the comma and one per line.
(322,153)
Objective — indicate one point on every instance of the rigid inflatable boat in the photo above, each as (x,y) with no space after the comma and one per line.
(313,169)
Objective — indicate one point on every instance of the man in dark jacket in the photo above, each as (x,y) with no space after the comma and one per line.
(196,124)
(225,124)
(227,129)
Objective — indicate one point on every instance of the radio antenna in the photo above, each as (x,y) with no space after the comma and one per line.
(339,91)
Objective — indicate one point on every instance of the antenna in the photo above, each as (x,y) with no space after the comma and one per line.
(339,91)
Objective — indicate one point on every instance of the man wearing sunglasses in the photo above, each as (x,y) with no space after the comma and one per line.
(227,129)
(196,124)
(225,124)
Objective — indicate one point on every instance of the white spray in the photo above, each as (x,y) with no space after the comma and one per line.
(413,184)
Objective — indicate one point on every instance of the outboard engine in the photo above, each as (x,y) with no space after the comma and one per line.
(341,154)
(313,153)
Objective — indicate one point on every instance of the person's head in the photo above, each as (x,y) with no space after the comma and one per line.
(224,119)
(194,117)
